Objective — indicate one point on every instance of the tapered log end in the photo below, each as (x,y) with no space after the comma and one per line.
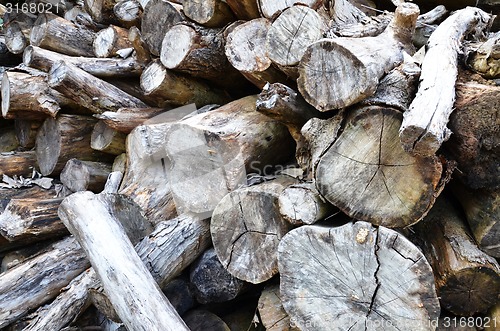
(48,144)
(404,22)
(152,77)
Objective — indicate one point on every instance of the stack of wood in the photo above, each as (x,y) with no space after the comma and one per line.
(249,165)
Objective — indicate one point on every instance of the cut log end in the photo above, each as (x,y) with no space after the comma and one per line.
(176,45)
(104,42)
(49,137)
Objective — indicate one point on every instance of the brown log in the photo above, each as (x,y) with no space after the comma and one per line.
(107,140)
(140,47)
(484,57)
(467,279)
(244,9)
(18,163)
(89,91)
(57,34)
(246,229)
(328,60)
(212,13)
(85,175)
(8,140)
(200,320)
(26,132)
(126,119)
(424,125)
(271,311)
(110,41)
(129,13)
(357,277)
(101,11)
(59,140)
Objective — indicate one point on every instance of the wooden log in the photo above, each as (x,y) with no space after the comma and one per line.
(85,175)
(129,13)
(179,293)
(107,140)
(26,132)
(17,163)
(16,257)
(40,279)
(91,92)
(270,9)
(59,140)
(15,40)
(120,268)
(167,87)
(110,41)
(481,209)
(8,141)
(377,279)
(7,57)
(244,9)
(27,96)
(271,311)
(424,125)
(344,12)
(327,61)
(475,143)
(140,47)
(57,34)
(246,229)
(211,281)
(43,59)
(126,119)
(101,11)
(213,150)
(158,17)
(213,13)
(76,13)
(246,50)
(199,320)
(467,279)
(484,57)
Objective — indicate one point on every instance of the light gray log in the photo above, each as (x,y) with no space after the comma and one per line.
(129,13)
(80,175)
(110,41)
(271,311)
(107,140)
(211,13)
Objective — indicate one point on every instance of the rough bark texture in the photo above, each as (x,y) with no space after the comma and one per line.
(18,163)
(80,175)
(126,119)
(110,41)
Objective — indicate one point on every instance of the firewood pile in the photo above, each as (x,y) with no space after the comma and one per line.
(249,165)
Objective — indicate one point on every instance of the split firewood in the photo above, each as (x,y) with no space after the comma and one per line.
(107,140)
(167,87)
(484,57)
(271,311)
(89,91)
(43,59)
(244,9)
(467,279)
(39,279)
(85,175)
(158,17)
(101,11)
(17,163)
(213,150)
(57,34)
(120,270)
(8,140)
(26,132)
(475,143)
(110,41)
(211,282)
(200,320)
(126,119)
(129,13)
(377,279)
(424,125)
(59,140)
(246,229)
(246,50)
(482,210)
(322,80)
(213,13)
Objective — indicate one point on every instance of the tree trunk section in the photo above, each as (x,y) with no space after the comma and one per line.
(107,140)
(244,9)
(211,13)
(18,163)
(85,175)
(129,13)
(101,11)
(108,42)
(126,119)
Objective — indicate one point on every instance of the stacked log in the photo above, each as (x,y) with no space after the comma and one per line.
(249,165)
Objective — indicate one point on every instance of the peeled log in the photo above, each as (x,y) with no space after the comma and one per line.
(424,125)
(270,8)
(80,175)
(357,277)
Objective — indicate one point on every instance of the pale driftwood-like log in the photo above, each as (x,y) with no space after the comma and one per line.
(271,311)
(357,277)
(167,87)
(80,175)
(129,13)
(323,81)
(246,229)
(89,91)
(213,150)
(244,9)
(484,57)
(55,33)
(211,281)
(43,59)
(467,279)
(18,163)
(31,220)
(303,204)
(482,209)
(107,140)
(126,119)
(246,50)
(199,320)
(39,279)
(212,13)
(158,17)
(108,42)
(270,8)
(59,140)
(424,125)
(101,11)
(136,297)
(27,96)
(16,257)
(26,132)
(120,163)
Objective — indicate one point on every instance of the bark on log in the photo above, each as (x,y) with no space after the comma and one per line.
(140,47)
(271,311)
(57,34)
(15,40)
(26,132)
(246,229)
(85,175)
(43,59)
(129,13)
(110,41)
(244,9)
(213,150)
(484,57)
(59,140)
(8,141)
(327,61)
(40,279)
(424,125)
(246,50)
(467,279)
(158,17)
(129,285)
(211,281)
(212,13)
(358,277)
(101,11)
(16,257)
(18,163)
(126,119)
(107,140)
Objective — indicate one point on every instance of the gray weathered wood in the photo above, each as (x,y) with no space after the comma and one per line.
(80,175)
(211,13)
(126,119)
(271,311)
(107,140)
(129,13)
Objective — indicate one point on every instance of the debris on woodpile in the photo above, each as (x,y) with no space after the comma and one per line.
(249,165)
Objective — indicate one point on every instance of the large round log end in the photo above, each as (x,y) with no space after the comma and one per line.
(176,45)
